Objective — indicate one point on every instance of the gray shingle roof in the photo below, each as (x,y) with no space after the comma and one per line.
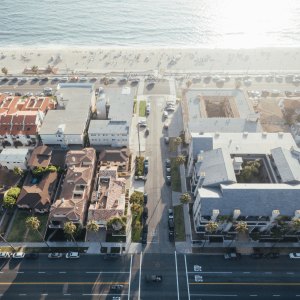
(217,166)
(287,164)
(251,199)
(108,127)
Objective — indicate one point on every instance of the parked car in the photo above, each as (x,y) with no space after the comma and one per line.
(4,255)
(168,163)
(168,180)
(117,287)
(55,79)
(136,178)
(287,93)
(167,140)
(45,78)
(165,114)
(8,93)
(171,214)
(171,107)
(49,94)
(55,255)
(153,278)
(27,94)
(31,255)
(275,92)
(222,80)
(112,79)
(147,132)
(296,80)
(248,81)
(148,108)
(83,79)
(151,83)
(4,79)
(111,256)
(297,92)
(94,78)
(74,78)
(35,79)
(48,89)
(289,76)
(64,79)
(135,81)
(15,79)
(146,161)
(265,92)
(18,94)
(71,254)
(258,256)
(145,213)
(197,77)
(144,239)
(24,79)
(168,172)
(171,225)
(145,196)
(171,236)
(273,255)
(294,255)
(142,123)
(145,228)
(146,169)
(18,255)
(39,94)
(124,79)
(279,77)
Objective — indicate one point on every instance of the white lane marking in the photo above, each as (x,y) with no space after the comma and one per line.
(22,294)
(41,272)
(253,295)
(44,294)
(246,272)
(213,295)
(106,272)
(20,272)
(177,276)
(268,272)
(276,295)
(140,275)
(67,294)
(129,277)
(289,273)
(212,272)
(1,272)
(187,278)
(62,272)
(104,295)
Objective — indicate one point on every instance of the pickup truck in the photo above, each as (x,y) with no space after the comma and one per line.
(153,278)
(144,178)
(232,256)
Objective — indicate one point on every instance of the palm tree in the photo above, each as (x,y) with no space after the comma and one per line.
(177,142)
(17,171)
(93,227)
(34,223)
(237,84)
(105,80)
(4,71)
(69,228)
(241,228)
(210,227)
(184,199)
(7,242)
(180,160)
(136,209)
(35,69)
(188,84)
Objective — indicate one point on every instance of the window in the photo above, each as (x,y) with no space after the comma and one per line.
(28,129)
(113,139)
(112,135)
(58,136)
(124,139)
(93,134)
(105,134)
(18,128)
(124,134)
(106,140)
(5,128)
(99,140)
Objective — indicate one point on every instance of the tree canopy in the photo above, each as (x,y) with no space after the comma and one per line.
(40,171)
(288,113)
(136,197)
(185,198)
(180,159)
(17,171)
(248,171)
(11,197)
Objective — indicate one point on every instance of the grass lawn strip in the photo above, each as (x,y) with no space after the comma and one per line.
(135,106)
(136,235)
(142,109)
(18,228)
(179,227)
(33,236)
(115,239)
(175,176)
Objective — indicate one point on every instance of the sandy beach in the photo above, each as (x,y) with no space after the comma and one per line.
(278,60)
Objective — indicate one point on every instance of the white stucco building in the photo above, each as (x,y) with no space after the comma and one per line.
(14,157)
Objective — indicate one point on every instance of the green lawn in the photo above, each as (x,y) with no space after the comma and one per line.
(136,235)
(115,239)
(33,236)
(135,106)
(116,249)
(179,227)
(18,229)
(175,176)
(142,109)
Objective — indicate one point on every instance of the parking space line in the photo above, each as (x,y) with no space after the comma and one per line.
(187,278)
(213,295)
(140,275)
(41,272)
(107,272)
(130,277)
(211,272)
(104,294)
(177,276)
(289,273)
(62,272)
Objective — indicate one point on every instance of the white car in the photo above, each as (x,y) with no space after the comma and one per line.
(275,92)
(18,255)
(151,83)
(296,80)
(166,114)
(83,79)
(221,81)
(112,78)
(72,255)
(4,255)
(48,89)
(171,107)
(279,77)
(55,255)
(64,79)
(39,94)
(142,123)
(197,77)
(216,78)
(28,94)
(248,81)
(8,93)
(24,79)
(294,255)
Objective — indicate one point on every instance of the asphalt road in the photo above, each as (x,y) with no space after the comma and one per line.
(90,277)
(159,194)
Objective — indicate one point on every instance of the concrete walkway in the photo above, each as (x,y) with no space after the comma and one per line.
(10,223)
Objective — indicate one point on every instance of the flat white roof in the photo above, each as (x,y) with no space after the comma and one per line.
(13,155)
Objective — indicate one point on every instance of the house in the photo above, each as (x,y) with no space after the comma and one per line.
(212,111)
(21,119)
(113,120)
(75,189)
(119,158)
(40,157)
(14,157)
(67,124)
(37,194)
(108,200)
(215,164)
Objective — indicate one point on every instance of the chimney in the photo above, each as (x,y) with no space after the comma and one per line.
(236,213)
(201,179)
(62,200)
(297,214)
(200,159)
(73,158)
(214,215)
(275,214)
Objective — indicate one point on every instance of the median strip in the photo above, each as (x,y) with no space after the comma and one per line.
(243,283)
(41,283)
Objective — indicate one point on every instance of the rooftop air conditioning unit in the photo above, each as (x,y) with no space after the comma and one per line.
(264,134)
(245,133)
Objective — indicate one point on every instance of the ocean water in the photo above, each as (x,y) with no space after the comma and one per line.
(149,23)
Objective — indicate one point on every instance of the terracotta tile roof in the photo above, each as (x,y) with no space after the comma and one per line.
(86,155)
(4,129)
(40,157)
(38,195)
(292,102)
(28,129)
(5,119)
(103,215)
(114,155)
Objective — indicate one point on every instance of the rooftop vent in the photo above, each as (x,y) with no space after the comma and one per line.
(264,134)
(217,133)
(245,133)
(62,200)
(73,158)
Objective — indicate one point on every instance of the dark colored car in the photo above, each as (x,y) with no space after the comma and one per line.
(146,169)
(258,256)
(4,79)
(168,163)
(144,239)
(171,236)
(49,94)
(168,180)
(171,225)
(31,255)
(168,172)
(35,79)
(18,94)
(118,287)
(145,213)
(147,131)
(145,228)
(15,79)
(45,78)
(273,255)
(288,92)
(145,198)
(111,256)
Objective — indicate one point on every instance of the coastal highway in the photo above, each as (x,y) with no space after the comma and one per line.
(161,86)
(90,277)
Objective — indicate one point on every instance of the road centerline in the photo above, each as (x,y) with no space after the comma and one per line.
(187,278)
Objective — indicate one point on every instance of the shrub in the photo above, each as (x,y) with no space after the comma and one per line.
(136,198)
(139,166)
(11,197)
